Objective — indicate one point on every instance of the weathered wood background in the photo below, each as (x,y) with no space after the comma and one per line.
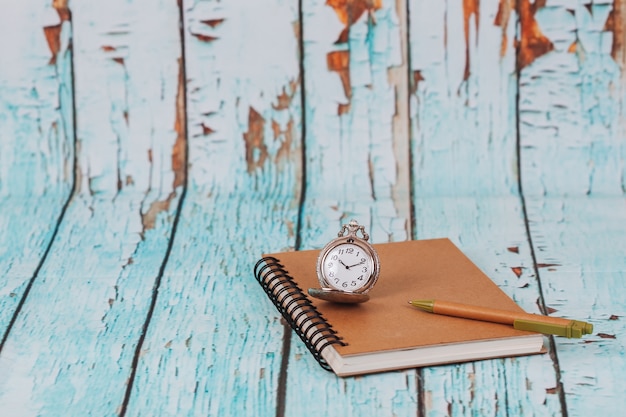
(151,150)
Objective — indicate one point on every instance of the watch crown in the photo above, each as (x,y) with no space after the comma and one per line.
(352,228)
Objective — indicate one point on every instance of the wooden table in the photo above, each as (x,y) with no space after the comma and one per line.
(152,150)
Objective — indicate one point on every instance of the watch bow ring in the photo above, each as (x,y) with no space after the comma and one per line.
(347,267)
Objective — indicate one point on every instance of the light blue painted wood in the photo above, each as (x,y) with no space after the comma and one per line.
(491,231)
(465,188)
(36,119)
(572,163)
(78,329)
(36,133)
(214,342)
(583,241)
(207,351)
(353,166)
(353,158)
(463,123)
(570,109)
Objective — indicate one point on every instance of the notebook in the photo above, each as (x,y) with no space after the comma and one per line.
(386,333)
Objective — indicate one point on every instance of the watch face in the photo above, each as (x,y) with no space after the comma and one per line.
(347,267)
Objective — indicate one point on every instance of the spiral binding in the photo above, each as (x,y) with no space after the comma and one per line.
(309,324)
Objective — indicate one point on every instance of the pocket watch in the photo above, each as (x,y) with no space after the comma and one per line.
(347,267)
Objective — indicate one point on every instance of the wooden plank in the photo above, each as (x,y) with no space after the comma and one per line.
(465,188)
(491,231)
(214,342)
(356,167)
(571,134)
(36,102)
(463,101)
(36,128)
(78,330)
(580,244)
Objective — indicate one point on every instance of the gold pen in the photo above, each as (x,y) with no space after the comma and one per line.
(519,320)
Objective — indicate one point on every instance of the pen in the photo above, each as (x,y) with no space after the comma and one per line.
(522,321)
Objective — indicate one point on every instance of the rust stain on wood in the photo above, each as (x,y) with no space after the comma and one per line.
(148,219)
(513,249)
(53,33)
(615,24)
(502,20)
(348,12)
(550,310)
(256,150)
(213,22)
(284,151)
(614,317)
(533,43)
(179,156)
(606,336)
(284,99)
(179,151)
(206,130)
(470,8)
(417,78)
(205,38)
(547,265)
(517,270)
(339,61)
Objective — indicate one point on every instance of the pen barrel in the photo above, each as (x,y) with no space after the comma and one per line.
(492,315)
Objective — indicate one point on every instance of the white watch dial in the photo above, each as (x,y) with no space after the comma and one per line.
(347,267)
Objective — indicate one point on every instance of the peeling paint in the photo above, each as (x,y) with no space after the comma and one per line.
(417,78)
(212,22)
(339,61)
(256,150)
(179,156)
(348,12)
(471,8)
(532,43)
(53,32)
(503,15)
(615,24)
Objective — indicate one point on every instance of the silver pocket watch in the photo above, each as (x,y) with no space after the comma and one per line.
(347,267)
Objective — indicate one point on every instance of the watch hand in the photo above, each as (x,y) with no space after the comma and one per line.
(341,262)
(362,262)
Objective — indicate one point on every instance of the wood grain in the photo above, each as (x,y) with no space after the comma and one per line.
(214,342)
(466,188)
(37,155)
(78,329)
(140,182)
(353,167)
(571,137)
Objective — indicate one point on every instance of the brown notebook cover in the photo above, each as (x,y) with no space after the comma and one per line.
(386,332)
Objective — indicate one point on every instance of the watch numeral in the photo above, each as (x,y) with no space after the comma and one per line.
(360,278)
(364,269)
(353,283)
(331,274)
(334,258)
(350,250)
